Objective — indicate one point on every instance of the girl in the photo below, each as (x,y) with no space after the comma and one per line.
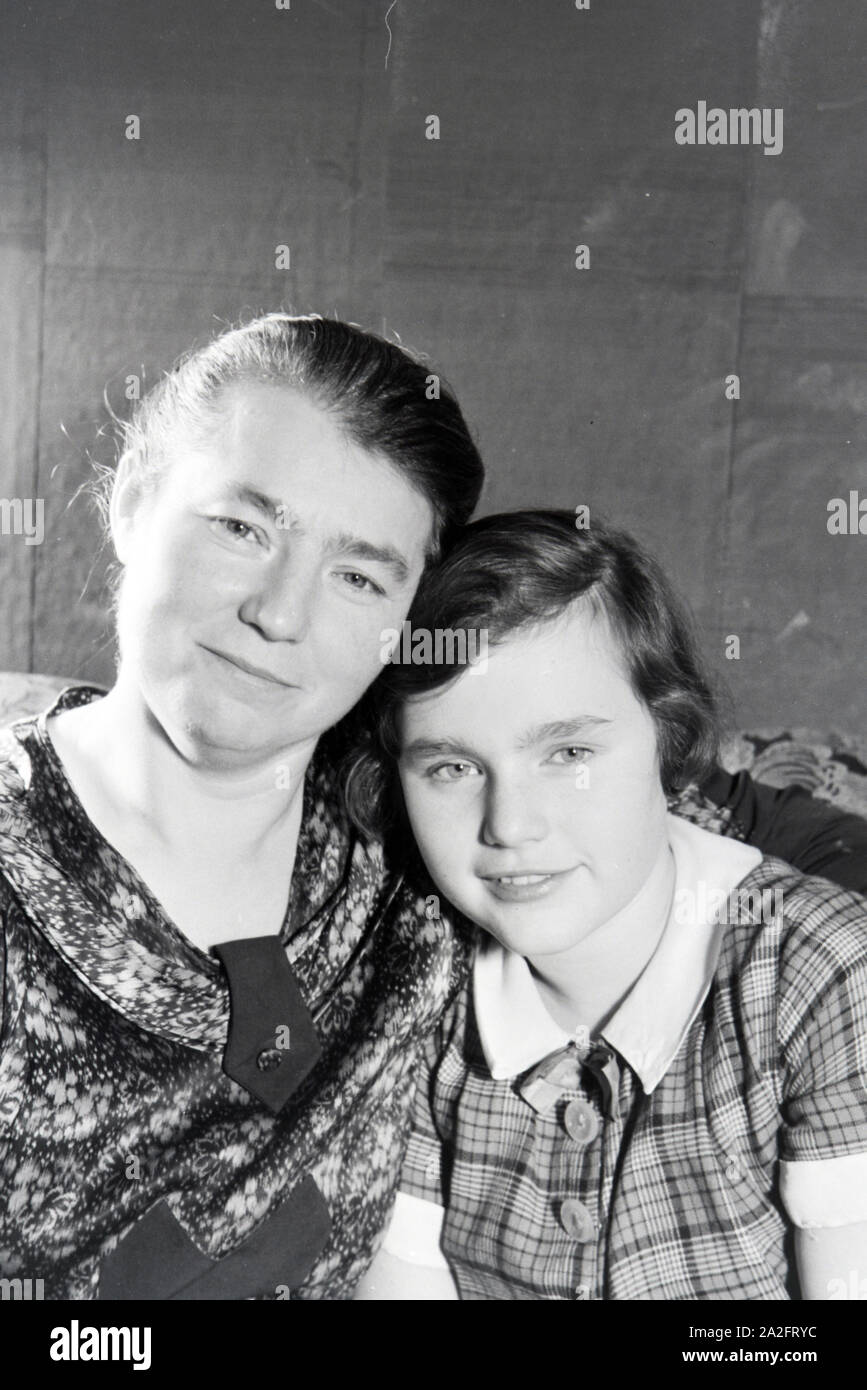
(653,1085)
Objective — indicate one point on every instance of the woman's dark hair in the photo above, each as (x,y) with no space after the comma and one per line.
(384,399)
(512,571)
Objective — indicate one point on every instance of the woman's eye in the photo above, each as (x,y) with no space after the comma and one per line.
(451,772)
(238,530)
(571,755)
(360,582)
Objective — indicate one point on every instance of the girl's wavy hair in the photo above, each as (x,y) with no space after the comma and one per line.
(382,397)
(509,572)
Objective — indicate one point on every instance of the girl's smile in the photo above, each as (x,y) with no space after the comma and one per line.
(525,887)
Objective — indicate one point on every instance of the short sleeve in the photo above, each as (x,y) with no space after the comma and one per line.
(414,1232)
(822,1020)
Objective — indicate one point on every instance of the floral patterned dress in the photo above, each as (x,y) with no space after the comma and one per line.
(177,1124)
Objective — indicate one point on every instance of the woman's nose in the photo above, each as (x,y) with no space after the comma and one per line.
(513,815)
(281,605)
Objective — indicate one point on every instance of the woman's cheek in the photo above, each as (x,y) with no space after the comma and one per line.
(349,644)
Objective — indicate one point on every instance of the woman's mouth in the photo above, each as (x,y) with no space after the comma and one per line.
(255,675)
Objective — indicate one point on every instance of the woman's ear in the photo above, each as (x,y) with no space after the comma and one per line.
(126,498)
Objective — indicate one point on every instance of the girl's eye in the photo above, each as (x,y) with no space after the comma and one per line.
(451,772)
(238,530)
(360,582)
(570,756)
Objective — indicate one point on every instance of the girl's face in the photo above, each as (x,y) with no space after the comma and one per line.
(533,789)
(259,576)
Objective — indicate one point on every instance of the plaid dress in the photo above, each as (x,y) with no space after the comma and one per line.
(596,1177)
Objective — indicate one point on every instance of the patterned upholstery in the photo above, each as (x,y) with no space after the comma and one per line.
(833,766)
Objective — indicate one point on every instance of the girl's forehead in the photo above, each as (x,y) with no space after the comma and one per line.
(578,640)
(560,668)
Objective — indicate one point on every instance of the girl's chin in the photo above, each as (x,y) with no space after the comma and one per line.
(529,934)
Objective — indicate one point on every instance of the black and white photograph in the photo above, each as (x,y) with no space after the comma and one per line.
(433,719)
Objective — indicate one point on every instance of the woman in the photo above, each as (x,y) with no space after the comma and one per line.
(162,1130)
(653,1087)
(214,990)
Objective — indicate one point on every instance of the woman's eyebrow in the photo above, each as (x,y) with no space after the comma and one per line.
(357,546)
(562,728)
(260,501)
(344,541)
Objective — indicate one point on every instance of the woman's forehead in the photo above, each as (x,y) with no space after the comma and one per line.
(252,414)
(265,432)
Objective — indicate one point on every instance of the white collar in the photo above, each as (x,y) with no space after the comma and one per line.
(515,1028)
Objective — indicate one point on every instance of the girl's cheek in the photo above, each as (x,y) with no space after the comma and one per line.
(436,826)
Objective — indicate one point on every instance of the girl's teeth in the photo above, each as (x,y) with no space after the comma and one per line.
(523,878)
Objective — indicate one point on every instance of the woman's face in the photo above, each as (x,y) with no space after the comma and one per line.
(260,574)
(533,790)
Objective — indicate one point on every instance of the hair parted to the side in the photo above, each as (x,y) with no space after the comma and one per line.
(377,392)
(512,571)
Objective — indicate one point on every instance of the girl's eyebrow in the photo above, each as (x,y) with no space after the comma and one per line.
(433,747)
(562,728)
(540,733)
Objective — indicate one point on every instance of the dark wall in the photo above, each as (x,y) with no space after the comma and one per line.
(307,127)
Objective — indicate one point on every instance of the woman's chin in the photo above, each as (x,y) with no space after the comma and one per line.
(201,729)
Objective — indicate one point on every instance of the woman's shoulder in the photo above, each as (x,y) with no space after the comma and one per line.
(33,807)
(24,694)
(16,776)
(429,943)
(22,725)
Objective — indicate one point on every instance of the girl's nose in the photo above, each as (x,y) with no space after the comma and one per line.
(513,815)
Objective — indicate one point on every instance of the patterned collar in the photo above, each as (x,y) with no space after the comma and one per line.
(77,889)
(647,1030)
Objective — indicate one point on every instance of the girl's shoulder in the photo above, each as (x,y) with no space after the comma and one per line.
(794,955)
(799,911)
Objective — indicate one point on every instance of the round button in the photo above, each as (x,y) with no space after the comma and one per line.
(581,1122)
(269,1058)
(577,1221)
